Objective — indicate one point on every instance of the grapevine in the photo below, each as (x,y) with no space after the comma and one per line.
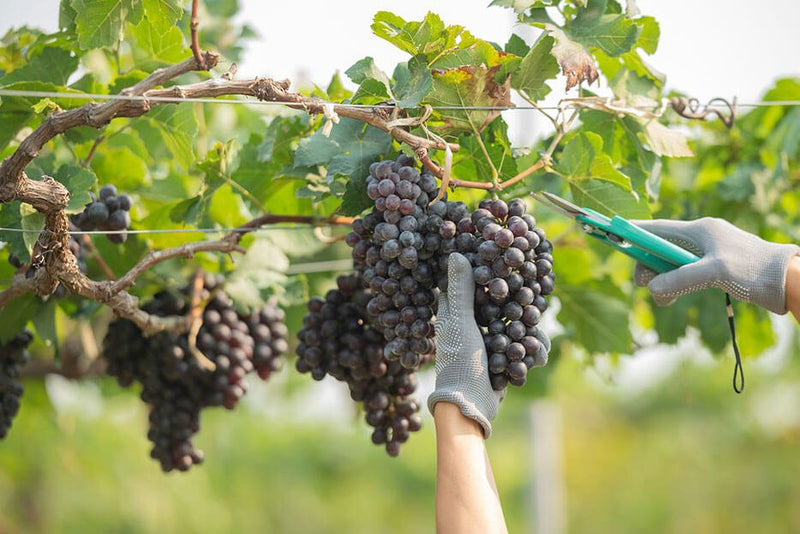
(171,368)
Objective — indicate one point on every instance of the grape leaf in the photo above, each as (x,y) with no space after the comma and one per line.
(159,43)
(597,314)
(536,68)
(100,23)
(412,81)
(516,45)
(429,36)
(10,217)
(471,161)
(614,34)
(609,199)
(583,158)
(650,34)
(46,325)
(468,86)
(53,65)
(372,91)
(166,11)
(15,315)
(365,69)
(355,199)
(171,128)
(665,141)
(78,182)
(258,275)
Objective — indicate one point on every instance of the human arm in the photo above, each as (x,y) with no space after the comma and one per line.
(793,287)
(463,405)
(745,266)
(466,494)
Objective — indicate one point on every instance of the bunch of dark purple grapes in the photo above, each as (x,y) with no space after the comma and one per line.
(13,355)
(397,259)
(109,212)
(177,381)
(513,268)
(337,340)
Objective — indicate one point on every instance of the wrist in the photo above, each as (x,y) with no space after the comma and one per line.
(793,286)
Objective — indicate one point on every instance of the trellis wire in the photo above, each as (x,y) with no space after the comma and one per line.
(175,100)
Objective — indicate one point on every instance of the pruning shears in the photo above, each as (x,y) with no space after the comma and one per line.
(648,249)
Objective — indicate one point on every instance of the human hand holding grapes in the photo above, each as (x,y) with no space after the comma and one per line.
(462,373)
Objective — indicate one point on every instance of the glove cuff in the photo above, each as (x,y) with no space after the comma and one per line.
(771,293)
(467,407)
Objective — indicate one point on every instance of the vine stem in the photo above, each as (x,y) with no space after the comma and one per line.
(194,24)
(196,317)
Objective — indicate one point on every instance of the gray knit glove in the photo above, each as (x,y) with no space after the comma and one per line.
(739,263)
(462,370)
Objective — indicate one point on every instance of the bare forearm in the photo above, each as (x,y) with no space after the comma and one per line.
(793,287)
(466,495)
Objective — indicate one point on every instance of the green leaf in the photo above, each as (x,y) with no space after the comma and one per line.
(33,222)
(412,37)
(516,45)
(100,23)
(536,68)
(14,315)
(614,34)
(348,151)
(78,181)
(259,274)
(172,127)
(45,323)
(583,158)
(336,91)
(355,199)
(187,211)
(53,65)
(671,321)
(365,69)
(360,146)
(650,34)
(159,43)
(471,162)
(665,141)
(429,37)
(316,149)
(372,91)
(164,11)
(467,86)
(412,82)
(597,315)
(10,217)
(609,199)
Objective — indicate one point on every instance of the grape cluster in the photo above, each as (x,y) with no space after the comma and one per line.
(337,340)
(108,212)
(176,383)
(13,355)
(513,269)
(396,253)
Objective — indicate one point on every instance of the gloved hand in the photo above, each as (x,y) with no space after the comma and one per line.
(737,262)
(462,369)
